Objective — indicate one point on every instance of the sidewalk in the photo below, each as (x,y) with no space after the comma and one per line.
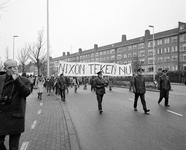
(48,125)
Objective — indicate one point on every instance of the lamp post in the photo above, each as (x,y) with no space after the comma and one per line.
(48,60)
(154,69)
(13,44)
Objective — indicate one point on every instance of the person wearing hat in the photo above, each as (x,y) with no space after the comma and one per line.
(164,86)
(100,84)
(62,86)
(139,90)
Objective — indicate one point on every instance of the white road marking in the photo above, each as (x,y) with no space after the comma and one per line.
(33,124)
(175,113)
(39,112)
(24,146)
(41,104)
(131,99)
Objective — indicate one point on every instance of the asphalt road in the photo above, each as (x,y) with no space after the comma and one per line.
(121,128)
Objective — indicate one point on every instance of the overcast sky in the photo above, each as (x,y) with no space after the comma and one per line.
(78,24)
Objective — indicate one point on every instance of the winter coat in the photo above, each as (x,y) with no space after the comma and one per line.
(100,84)
(139,84)
(62,83)
(12,112)
(164,83)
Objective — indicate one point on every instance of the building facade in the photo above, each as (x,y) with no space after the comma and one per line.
(169,51)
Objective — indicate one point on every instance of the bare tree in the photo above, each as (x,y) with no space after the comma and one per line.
(37,51)
(23,57)
(7,53)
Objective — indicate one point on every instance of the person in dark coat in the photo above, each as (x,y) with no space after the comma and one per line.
(164,86)
(100,84)
(62,86)
(139,90)
(13,92)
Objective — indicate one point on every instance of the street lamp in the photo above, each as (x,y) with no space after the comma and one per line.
(13,44)
(154,69)
(48,60)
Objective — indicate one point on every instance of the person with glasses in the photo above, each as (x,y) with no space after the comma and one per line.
(13,92)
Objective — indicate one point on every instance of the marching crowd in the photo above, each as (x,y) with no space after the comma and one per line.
(15,88)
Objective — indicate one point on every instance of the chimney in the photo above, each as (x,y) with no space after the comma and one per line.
(124,38)
(68,53)
(80,50)
(95,47)
(63,53)
(147,34)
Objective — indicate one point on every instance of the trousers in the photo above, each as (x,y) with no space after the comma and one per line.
(13,141)
(164,94)
(143,102)
(99,99)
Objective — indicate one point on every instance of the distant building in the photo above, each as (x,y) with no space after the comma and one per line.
(170,51)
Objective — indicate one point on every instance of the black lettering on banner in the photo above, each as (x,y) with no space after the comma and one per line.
(71,69)
(122,70)
(113,69)
(61,68)
(81,69)
(107,69)
(90,67)
(96,68)
(102,68)
(66,67)
(76,66)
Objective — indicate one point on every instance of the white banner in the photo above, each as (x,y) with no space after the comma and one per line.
(90,69)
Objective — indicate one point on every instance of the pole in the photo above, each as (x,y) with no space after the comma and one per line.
(154,68)
(13,44)
(48,61)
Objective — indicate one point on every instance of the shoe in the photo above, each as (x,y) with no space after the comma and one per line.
(135,109)
(146,111)
(101,111)
(167,105)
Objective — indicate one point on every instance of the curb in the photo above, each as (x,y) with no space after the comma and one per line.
(74,142)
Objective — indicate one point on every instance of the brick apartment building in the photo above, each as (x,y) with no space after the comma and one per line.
(169,51)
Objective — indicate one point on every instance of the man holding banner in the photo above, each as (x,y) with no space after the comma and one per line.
(100,85)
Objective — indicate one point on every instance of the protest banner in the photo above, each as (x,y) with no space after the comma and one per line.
(90,69)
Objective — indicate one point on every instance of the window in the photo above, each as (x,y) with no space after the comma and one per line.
(125,62)
(150,60)
(150,52)
(159,42)
(92,60)
(150,44)
(183,57)
(167,50)
(125,56)
(129,48)
(108,52)
(141,53)
(108,58)
(112,51)
(174,49)
(150,69)
(120,49)
(142,61)
(167,67)
(174,39)
(97,59)
(119,56)
(92,55)
(134,54)
(182,47)
(160,51)
(141,45)
(166,59)
(112,57)
(175,58)
(174,67)
(160,59)
(125,48)
(135,47)
(166,41)
(101,53)
(129,55)
(182,37)
(97,54)
(129,61)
